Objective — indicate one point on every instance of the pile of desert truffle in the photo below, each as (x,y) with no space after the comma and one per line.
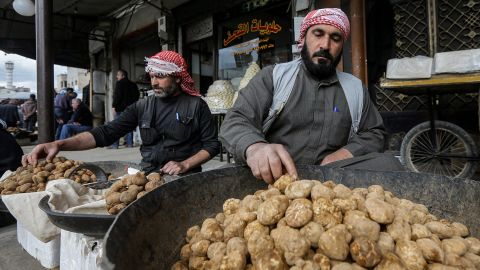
(307,224)
(130,188)
(34,178)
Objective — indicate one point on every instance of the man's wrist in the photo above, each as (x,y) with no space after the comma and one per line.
(346,153)
(252,148)
(60,144)
(186,165)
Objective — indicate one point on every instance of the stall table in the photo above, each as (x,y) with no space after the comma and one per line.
(218,116)
(437,146)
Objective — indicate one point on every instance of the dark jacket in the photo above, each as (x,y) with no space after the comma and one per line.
(172,129)
(9,113)
(126,93)
(63,101)
(11,154)
(82,115)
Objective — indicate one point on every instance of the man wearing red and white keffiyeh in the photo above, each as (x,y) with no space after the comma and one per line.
(314,125)
(176,126)
(170,64)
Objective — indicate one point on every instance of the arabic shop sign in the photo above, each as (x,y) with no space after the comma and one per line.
(266,28)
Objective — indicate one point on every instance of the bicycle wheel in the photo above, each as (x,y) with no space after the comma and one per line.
(453,143)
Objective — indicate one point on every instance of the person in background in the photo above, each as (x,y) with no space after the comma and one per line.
(29,110)
(81,120)
(9,113)
(126,93)
(19,104)
(63,108)
(11,153)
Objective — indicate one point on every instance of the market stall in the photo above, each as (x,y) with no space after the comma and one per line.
(438,146)
(61,204)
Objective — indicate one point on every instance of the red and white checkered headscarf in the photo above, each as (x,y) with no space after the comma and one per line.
(170,63)
(331,16)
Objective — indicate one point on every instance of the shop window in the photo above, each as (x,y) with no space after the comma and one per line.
(262,37)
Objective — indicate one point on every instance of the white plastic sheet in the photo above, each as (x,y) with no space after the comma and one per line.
(464,61)
(418,67)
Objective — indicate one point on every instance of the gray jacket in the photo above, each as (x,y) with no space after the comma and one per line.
(314,123)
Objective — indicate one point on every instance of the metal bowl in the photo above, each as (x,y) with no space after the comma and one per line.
(149,233)
(92,225)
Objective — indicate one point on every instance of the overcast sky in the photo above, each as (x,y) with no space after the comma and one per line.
(24,72)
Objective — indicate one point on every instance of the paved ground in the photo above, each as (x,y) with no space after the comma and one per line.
(12,256)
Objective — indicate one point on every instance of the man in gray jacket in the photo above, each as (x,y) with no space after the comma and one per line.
(319,124)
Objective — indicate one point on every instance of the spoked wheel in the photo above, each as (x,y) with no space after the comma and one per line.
(452,156)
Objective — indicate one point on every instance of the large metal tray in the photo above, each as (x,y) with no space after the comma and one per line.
(91,225)
(94,225)
(149,233)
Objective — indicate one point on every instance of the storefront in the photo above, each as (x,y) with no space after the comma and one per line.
(222,46)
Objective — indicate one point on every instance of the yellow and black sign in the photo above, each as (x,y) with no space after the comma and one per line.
(255,25)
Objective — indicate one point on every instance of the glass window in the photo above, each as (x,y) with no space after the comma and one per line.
(262,36)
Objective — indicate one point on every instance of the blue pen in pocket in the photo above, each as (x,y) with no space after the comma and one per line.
(335,109)
(178,117)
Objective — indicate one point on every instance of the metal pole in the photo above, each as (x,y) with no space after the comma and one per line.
(359,59)
(43,38)
(90,89)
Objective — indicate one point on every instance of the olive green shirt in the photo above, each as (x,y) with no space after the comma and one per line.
(315,121)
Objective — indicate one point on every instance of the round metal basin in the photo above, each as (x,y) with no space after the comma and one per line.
(149,233)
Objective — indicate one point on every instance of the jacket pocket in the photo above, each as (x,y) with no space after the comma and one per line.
(339,129)
(182,129)
(148,134)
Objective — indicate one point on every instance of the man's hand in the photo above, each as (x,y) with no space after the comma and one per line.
(268,160)
(174,168)
(49,150)
(340,154)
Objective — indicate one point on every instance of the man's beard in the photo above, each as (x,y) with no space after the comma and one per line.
(168,91)
(324,68)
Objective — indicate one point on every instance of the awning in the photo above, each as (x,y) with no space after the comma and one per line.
(73,22)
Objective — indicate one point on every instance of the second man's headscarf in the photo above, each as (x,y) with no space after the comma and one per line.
(331,16)
(170,63)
